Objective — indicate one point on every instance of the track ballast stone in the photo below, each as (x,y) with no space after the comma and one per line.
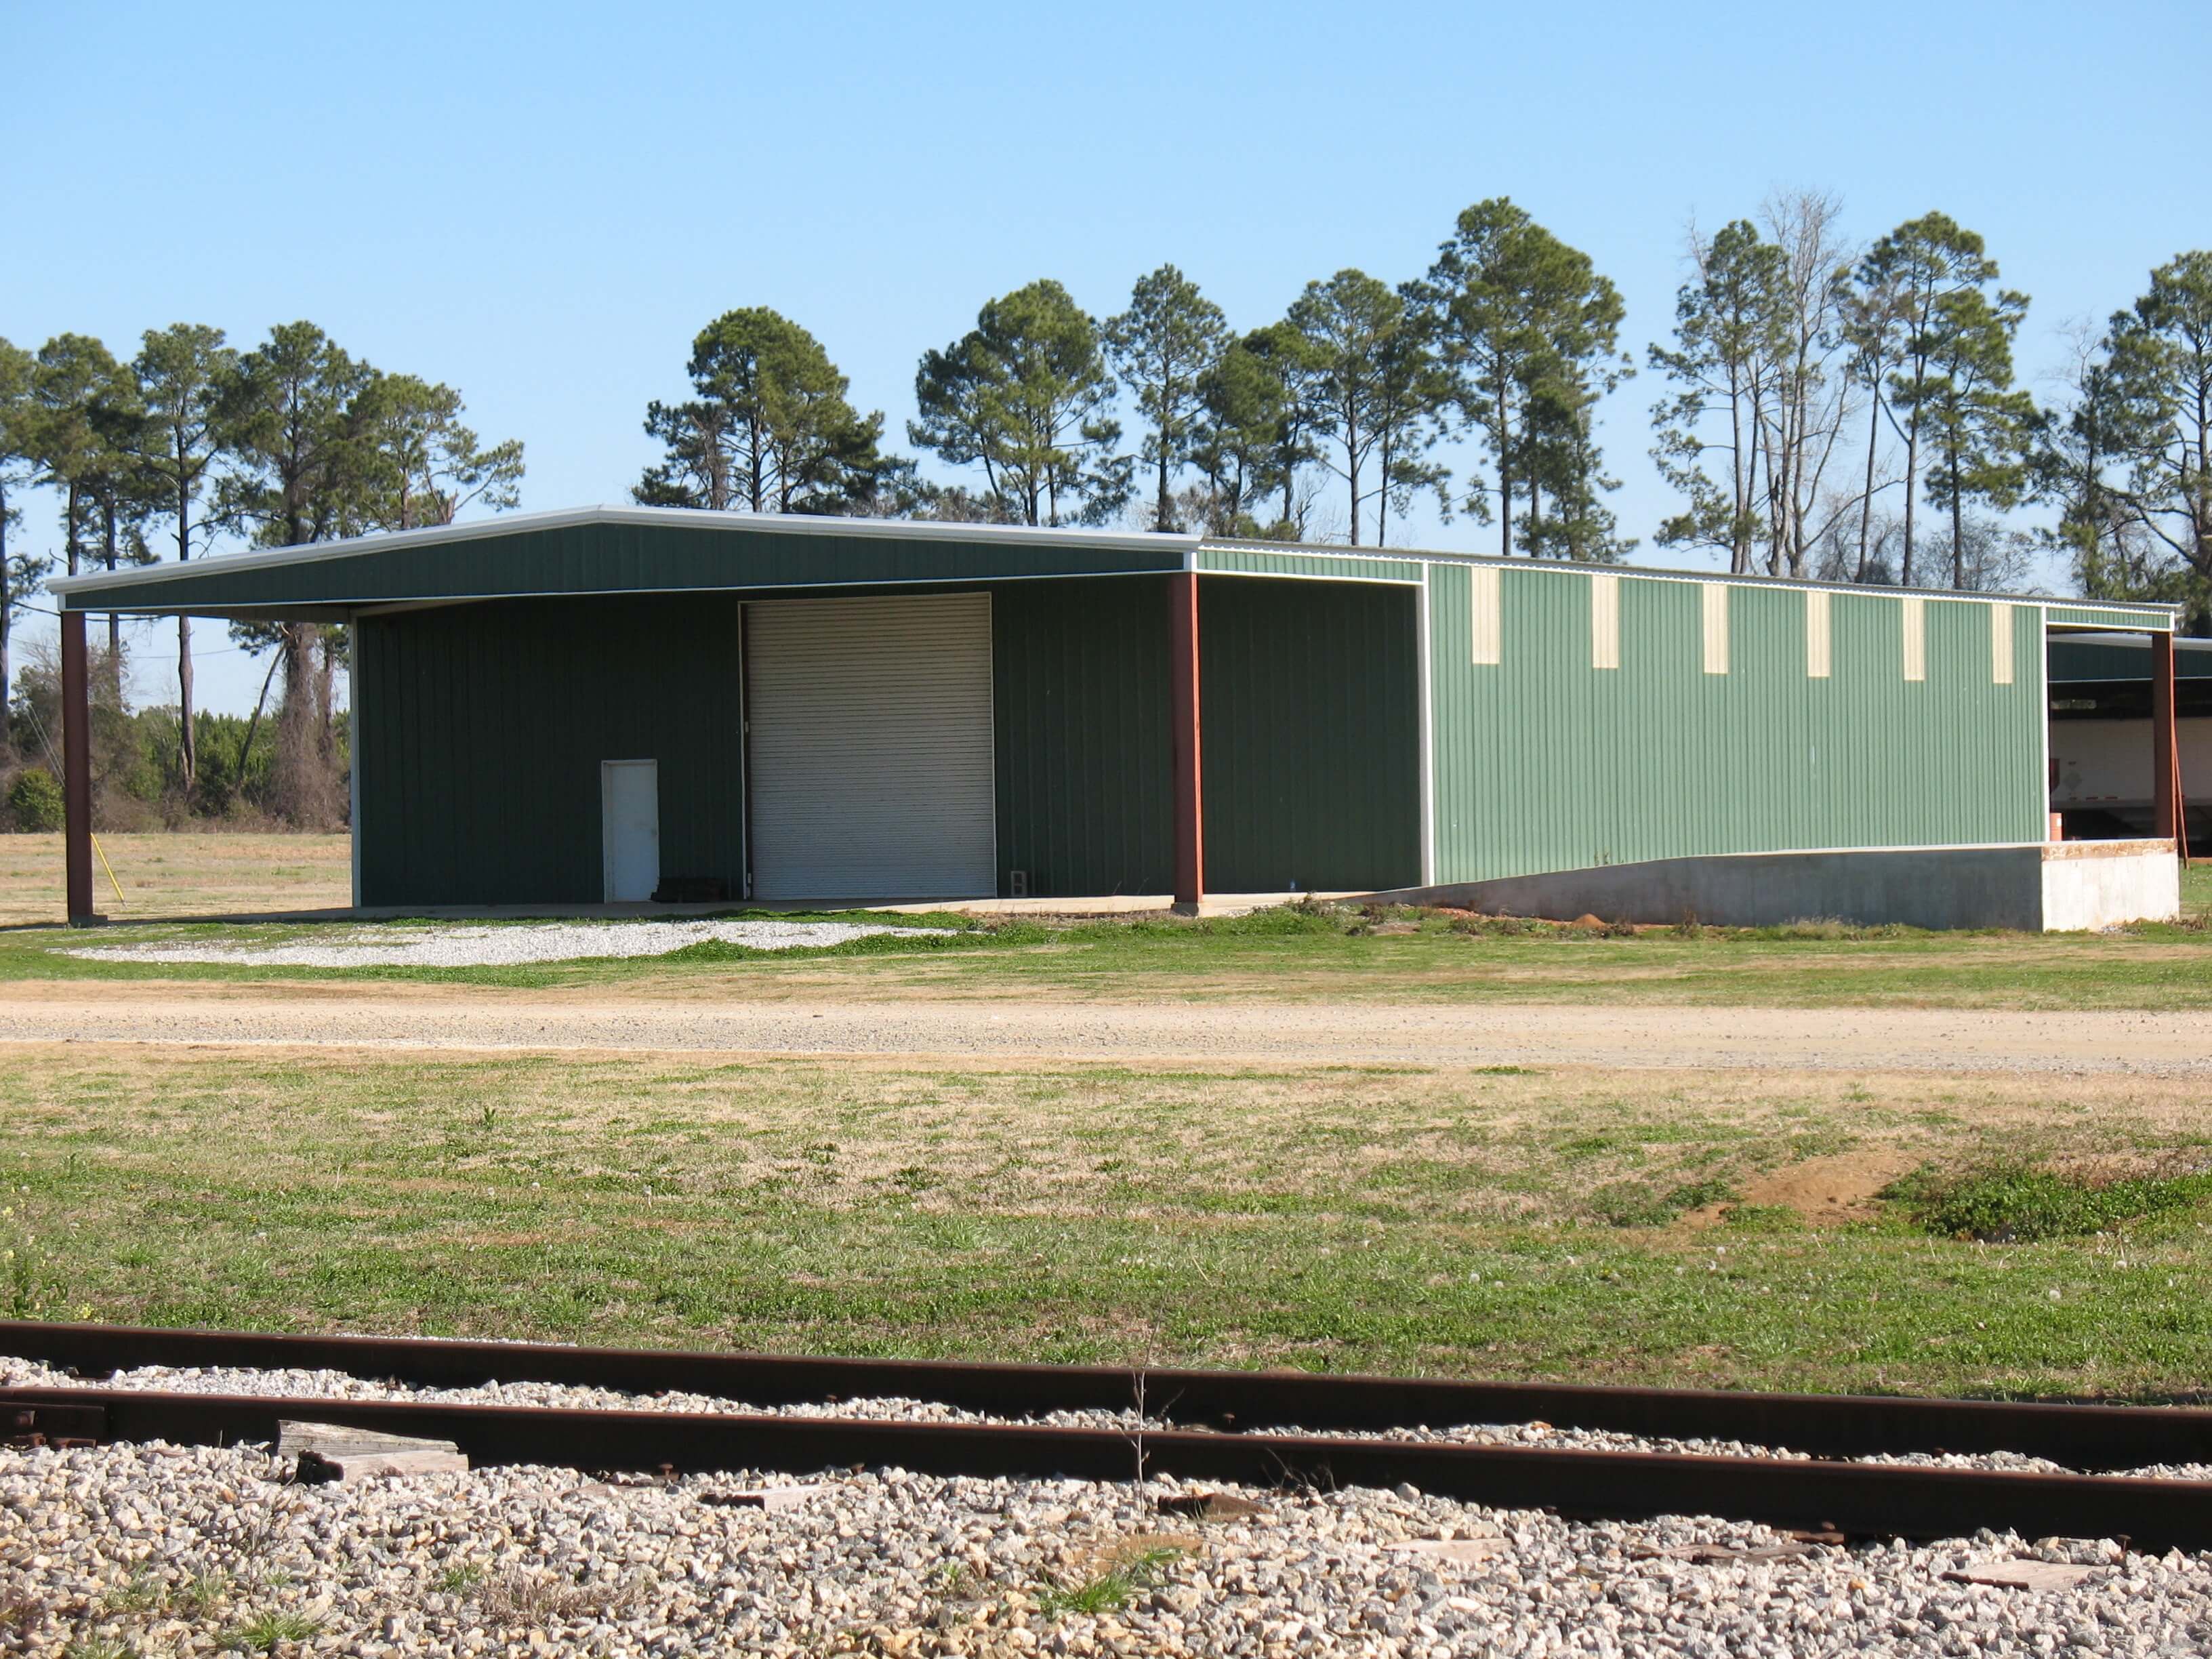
(183,1550)
(159,1550)
(507,946)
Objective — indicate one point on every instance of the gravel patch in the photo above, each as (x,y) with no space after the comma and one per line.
(340,1385)
(497,947)
(1926,1040)
(185,1550)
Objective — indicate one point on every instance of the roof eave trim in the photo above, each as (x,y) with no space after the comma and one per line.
(674,517)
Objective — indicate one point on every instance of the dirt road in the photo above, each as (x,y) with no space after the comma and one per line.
(1781,1039)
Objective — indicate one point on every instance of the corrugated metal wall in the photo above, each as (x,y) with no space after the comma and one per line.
(1084,780)
(2076,658)
(1546,762)
(1263,560)
(2075,614)
(480,730)
(1310,696)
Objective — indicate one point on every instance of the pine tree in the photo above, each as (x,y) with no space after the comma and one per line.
(183,374)
(1731,331)
(21,570)
(1907,314)
(772,429)
(2161,373)
(291,425)
(1982,429)
(420,465)
(1529,330)
(1025,395)
(1164,345)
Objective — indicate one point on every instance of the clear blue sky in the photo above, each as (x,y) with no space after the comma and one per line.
(541,204)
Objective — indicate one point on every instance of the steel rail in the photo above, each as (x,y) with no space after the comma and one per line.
(2086,1437)
(1864,1499)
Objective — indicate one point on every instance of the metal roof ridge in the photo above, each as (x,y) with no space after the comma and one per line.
(685,518)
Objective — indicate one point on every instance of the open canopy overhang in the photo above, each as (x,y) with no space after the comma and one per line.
(610,550)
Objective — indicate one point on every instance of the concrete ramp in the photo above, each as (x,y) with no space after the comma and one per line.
(2031,886)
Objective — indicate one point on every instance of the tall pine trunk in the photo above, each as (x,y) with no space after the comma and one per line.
(188,742)
(1351,473)
(1504,436)
(1739,472)
(326,742)
(7,616)
(114,622)
(295,783)
(1912,489)
(1958,527)
(1874,443)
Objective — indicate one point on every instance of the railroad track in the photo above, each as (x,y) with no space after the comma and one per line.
(1265,1429)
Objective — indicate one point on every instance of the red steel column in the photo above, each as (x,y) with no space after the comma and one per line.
(77,767)
(2162,735)
(1182,695)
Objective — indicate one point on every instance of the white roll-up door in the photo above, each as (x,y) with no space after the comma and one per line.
(871,772)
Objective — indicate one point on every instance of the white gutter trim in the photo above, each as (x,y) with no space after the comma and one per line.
(672,518)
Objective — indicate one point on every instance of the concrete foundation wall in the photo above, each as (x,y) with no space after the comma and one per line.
(2032,887)
(2084,886)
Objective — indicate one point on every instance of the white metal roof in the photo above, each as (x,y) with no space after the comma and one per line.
(679,518)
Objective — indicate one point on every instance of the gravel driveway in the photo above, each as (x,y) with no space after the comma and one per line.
(1785,1039)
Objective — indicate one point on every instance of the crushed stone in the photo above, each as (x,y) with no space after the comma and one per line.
(191,1550)
(353,946)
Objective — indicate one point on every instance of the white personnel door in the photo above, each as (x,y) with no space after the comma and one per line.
(629,828)
(871,772)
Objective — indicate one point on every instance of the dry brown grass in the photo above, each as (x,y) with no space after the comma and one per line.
(1557,1221)
(165,876)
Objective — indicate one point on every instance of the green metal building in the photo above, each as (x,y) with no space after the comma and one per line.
(569,708)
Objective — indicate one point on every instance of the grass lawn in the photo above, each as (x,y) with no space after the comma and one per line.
(1568,1223)
(185,874)
(1285,955)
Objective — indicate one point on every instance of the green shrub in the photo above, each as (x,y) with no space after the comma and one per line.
(34,800)
(2018,1204)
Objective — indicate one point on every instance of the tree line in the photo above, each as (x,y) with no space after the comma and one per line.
(294,440)
(1849,412)
(1511,337)
(1826,409)
(1784,338)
